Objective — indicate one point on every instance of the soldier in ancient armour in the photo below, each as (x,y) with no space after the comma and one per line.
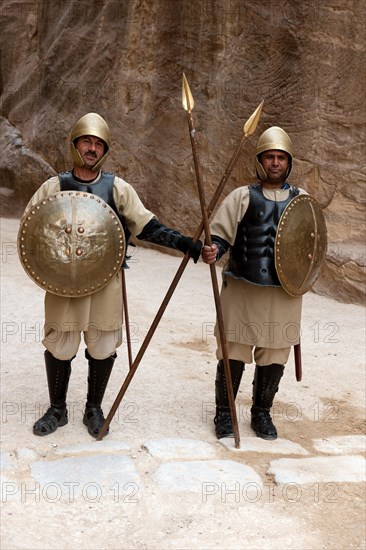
(261,319)
(98,315)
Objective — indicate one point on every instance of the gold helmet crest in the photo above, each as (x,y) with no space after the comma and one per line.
(90,124)
(273,138)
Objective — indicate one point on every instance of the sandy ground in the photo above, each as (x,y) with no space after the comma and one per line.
(172,396)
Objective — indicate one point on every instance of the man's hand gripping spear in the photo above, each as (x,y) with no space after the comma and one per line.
(249,128)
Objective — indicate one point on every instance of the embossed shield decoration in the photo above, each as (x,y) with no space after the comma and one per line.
(71,244)
(300,245)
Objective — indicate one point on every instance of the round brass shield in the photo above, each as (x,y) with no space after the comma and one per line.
(300,245)
(71,244)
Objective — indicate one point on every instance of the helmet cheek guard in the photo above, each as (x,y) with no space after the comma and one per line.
(90,124)
(76,157)
(274,138)
(260,170)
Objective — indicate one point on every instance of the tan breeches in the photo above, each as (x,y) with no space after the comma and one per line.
(262,356)
(100,343)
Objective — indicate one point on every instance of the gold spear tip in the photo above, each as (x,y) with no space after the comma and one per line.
(187,98)
(251,124)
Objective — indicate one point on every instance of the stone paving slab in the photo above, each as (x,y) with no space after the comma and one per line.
(27,455)
(6,460)
(103,446)
(341,444)
(170,447)
(256,444)
(205,475)
(88,476)
(321,469)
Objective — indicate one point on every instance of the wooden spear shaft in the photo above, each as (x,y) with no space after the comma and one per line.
(249,128)
(144,346)
(215,289)
(127,319)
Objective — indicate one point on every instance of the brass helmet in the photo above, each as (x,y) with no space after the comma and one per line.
(90,124)
(273,138)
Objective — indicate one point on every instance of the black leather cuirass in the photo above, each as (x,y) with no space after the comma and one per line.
(103,188)
(252,256)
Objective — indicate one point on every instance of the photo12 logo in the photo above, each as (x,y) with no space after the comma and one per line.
(69,491)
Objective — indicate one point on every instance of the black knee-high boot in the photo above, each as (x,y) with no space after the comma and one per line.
(58,376)
(265,385)
(98,377)
(223,422)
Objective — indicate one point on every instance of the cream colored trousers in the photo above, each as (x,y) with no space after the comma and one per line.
(262,356)
(100,343)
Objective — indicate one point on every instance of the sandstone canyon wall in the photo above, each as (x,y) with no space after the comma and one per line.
(125,59)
